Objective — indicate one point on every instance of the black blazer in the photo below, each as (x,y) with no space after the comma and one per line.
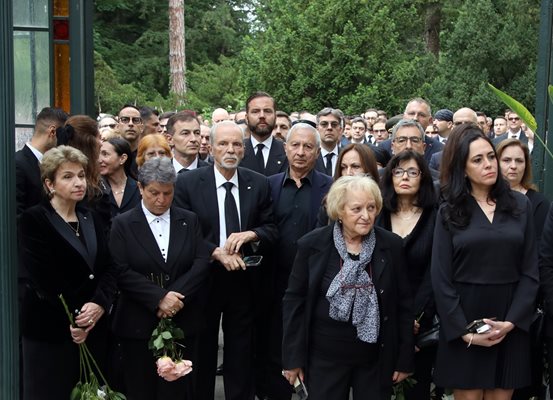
(57,262)
(320,186)
(131,197)
(394,299)
(28,186)
(196,191)
(144,277)
(277,161)
(546,271)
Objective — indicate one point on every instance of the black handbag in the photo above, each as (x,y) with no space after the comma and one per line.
(431,336)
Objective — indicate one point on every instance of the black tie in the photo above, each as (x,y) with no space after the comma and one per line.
(259,157)
(328,166)
(231,213)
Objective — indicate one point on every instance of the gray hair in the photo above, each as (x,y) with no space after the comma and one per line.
(157,169)
(419,100)
(214,128)
(407,123)
(302,125)
(335,112)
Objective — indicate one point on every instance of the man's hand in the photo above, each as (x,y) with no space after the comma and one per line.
(231,262)
(170,304)
(236,240)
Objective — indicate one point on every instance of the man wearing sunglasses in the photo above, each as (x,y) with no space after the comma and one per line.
(330,124)
(514,132)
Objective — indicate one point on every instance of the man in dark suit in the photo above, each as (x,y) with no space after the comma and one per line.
(235,211)
(330,124)
(29,190)
(515,130)
(419,110)
(297,196)
(184,135)
(262,153)
(163,267)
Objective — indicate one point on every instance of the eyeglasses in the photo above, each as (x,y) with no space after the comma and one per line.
(514,119)
(404,139)
(112,126)
(126,120)
(411,172)
(333,124)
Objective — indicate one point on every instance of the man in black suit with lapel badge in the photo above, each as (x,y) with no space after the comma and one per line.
(184,135)
(29,190)
(235,210)
(297,196)
(514,132)
(330,124)
(262,153)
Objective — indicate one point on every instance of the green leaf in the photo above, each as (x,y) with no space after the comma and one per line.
(166,335)
(550,90)
(76,392)
(525,115)
(158,343)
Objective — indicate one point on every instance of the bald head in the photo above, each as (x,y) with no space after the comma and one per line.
(465,115)
(220,114)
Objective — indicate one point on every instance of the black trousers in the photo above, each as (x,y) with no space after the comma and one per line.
(231,296)
(140,374)
(332,381)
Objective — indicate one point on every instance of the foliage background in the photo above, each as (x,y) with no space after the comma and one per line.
(351,54)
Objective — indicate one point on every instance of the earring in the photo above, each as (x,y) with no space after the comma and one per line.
(340,221)
(53,192)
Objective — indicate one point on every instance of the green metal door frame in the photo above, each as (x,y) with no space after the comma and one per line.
(542,163)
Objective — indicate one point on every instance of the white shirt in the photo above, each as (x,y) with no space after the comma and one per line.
(334,151)
(178,166)
(160,225)
(266,149)
(514,135)
(37,153)
(221,194)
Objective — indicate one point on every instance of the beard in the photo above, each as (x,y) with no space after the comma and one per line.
(262,132)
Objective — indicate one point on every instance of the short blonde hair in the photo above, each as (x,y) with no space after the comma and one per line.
(338,193)
(57,156)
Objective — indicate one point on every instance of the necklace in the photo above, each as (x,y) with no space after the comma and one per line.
(73,229)
(414,212)
(122,186)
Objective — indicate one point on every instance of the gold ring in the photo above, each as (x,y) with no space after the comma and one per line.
(90,321)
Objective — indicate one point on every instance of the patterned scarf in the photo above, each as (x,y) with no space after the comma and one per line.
(352,289)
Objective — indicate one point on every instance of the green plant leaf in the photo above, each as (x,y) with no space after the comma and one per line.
(525,115)
(166,335)
(76,392)
(158,343)
(550,90)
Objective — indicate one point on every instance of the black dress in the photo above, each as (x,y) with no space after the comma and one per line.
(485,270)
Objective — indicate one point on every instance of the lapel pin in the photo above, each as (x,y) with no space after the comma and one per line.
(184,224)
(279,162)
(249,187)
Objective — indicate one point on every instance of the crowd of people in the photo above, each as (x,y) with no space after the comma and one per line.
(340,255)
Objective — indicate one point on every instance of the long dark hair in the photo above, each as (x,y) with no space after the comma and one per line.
(368,160)
(121,146)
(426,196)
(456,191)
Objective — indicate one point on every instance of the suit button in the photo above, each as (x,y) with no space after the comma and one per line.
(381,291)
(385,318)
(382,345)
(91,276)
(167,277)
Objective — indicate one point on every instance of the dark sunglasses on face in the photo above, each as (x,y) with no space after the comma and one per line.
(514,119)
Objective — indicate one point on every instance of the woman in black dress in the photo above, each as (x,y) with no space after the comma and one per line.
(409,210)
(516,168)
(347,315)
(115,168)
(484,266)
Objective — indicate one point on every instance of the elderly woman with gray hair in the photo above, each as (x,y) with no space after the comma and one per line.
(162,266)
(347,310)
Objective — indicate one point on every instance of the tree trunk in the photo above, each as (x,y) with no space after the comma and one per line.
(432,27)
(177,56)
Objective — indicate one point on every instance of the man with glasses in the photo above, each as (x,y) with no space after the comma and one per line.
(408,134)
(129,124)
(330,124)
(515,131)
(380,132)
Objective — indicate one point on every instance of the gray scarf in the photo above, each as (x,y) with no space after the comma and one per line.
(352,289)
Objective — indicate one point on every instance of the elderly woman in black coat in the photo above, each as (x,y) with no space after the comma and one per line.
(348,320)
(62,248)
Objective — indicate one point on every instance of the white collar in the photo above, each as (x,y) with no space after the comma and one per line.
(166,216)
(324,152)
(220,179)
(267,142)
(37,153)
